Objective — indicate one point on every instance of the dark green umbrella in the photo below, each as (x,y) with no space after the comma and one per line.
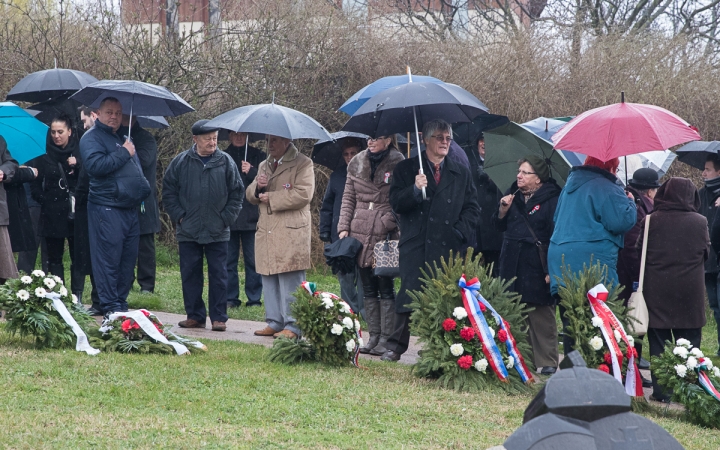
(508,143)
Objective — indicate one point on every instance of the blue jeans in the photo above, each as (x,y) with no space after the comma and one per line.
(712,287)
(114,238)
(253,280)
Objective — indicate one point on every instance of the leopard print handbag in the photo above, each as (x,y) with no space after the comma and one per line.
(387,258)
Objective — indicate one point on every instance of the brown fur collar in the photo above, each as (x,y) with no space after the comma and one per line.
(359,166)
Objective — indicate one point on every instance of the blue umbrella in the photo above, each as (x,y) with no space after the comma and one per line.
(546,128)
(24,134)
(152,122)
(360,97)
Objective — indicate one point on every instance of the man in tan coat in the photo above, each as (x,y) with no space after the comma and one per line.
(283,190)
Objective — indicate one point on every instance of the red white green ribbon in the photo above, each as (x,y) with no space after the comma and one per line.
(597,296)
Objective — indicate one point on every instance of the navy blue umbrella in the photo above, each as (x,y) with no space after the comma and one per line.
(363,95)
(328,152)
(695,153)
(49,84)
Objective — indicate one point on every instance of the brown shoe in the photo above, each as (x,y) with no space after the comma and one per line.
(218,326)
(191,323)
(286,334)
(267,331)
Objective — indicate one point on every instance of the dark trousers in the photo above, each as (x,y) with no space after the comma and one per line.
(114,235)
(191,272)
(253,280)
(146,262)
(55,252)
(712,287)
(491,257)
(657,337)
(567,341)
(375,286)
(26,260)
(399,340)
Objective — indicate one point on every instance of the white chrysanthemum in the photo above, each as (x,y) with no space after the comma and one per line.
(38,273)
(696,352)
(596,343)
(459,313)
(348,323)
(361,343)
(63,291)
(510,362)
(681,352)
(492,332)
(345,308)
(716,371)
(481,365)
(457,349)
(350,345)
(618,336)
(692,362)
(597,322)
(26,279)
(57,279)
(336,329)
(74,299)
(681,370)
(40,292)
(708,363)
(328,302)
(23,295)
(357,325)
(49,282)
(683,342)
(631,340)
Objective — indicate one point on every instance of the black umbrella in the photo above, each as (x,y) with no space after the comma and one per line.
(328,152)
(341,255)
(152,122)
(695,153)
(51,109)
(49,84)
(467,133)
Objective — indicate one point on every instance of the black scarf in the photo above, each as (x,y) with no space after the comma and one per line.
(375,159)
(713,186)
(59,154)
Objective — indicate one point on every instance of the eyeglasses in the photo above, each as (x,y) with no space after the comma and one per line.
(523,173)
(441,138)
(376,138)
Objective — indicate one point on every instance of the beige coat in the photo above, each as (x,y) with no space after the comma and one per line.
(282,240)
(366,213)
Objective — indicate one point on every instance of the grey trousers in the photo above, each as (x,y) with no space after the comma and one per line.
(278,290)
(543,335)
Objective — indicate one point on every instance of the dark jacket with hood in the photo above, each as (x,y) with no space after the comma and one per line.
(678,243)
(116,178)
(249,214)
(207,197)
(519,256)
(628,267)
(49,189)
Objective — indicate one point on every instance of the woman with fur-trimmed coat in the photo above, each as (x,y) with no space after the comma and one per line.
(366,215)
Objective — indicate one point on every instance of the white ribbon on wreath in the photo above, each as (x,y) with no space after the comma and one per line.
(149,328)
(82,344)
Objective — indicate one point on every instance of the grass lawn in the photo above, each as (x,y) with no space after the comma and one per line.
(232,397)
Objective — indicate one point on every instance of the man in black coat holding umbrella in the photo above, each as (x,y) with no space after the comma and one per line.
(429,228)
(243,230)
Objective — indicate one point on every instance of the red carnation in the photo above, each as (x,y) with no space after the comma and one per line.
(146,312)
(465,362)
(607,357)
(127,325)
(449,325)
(482,308)
(604,368)
(467,333)
(502,335)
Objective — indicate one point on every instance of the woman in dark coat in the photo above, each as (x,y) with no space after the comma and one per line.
(519,257)
(8,166)
(22,232)
(57,167)
(674,288)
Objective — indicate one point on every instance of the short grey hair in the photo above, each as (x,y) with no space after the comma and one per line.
(433,126)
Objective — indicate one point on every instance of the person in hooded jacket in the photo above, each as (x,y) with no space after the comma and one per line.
(53,189)
(674,288)
(533,195)
(592,216)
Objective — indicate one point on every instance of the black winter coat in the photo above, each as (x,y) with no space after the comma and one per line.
(8,166)
(332,202)
(488,238)
(249,214)
(81,259)
(708,209)
(146,149)
(519,256)
(22,233)
(49,189)
(431,228)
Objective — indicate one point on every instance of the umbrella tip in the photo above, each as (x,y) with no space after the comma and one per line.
(55,63)
(622,96)
(273,97)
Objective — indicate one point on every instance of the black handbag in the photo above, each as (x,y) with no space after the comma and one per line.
(542,248)
(71,195)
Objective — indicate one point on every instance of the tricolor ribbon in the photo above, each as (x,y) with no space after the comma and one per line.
(705,381)
(312,289)
(597,296)
(472,300)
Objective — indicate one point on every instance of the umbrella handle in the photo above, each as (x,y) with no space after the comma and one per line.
(247,138)
(417,138)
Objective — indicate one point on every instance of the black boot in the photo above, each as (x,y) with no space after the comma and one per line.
(58,270)
(372,317)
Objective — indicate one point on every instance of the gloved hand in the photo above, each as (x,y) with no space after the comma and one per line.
(325,237)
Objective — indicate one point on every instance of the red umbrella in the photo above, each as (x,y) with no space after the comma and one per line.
(623,129)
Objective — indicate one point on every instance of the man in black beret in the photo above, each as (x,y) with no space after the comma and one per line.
(202,193)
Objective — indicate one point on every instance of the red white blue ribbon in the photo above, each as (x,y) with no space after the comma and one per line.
(704,380)
(597,296)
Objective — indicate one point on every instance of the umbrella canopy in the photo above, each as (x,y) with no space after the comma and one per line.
(394,110)
(152,122)
(363,95)
(547,127)
(49,84)
(467,133)
(659,161)
(24,134)
(136,97)
(696,153)
(623,129)
(270,119)
(328,152)
(506,144)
